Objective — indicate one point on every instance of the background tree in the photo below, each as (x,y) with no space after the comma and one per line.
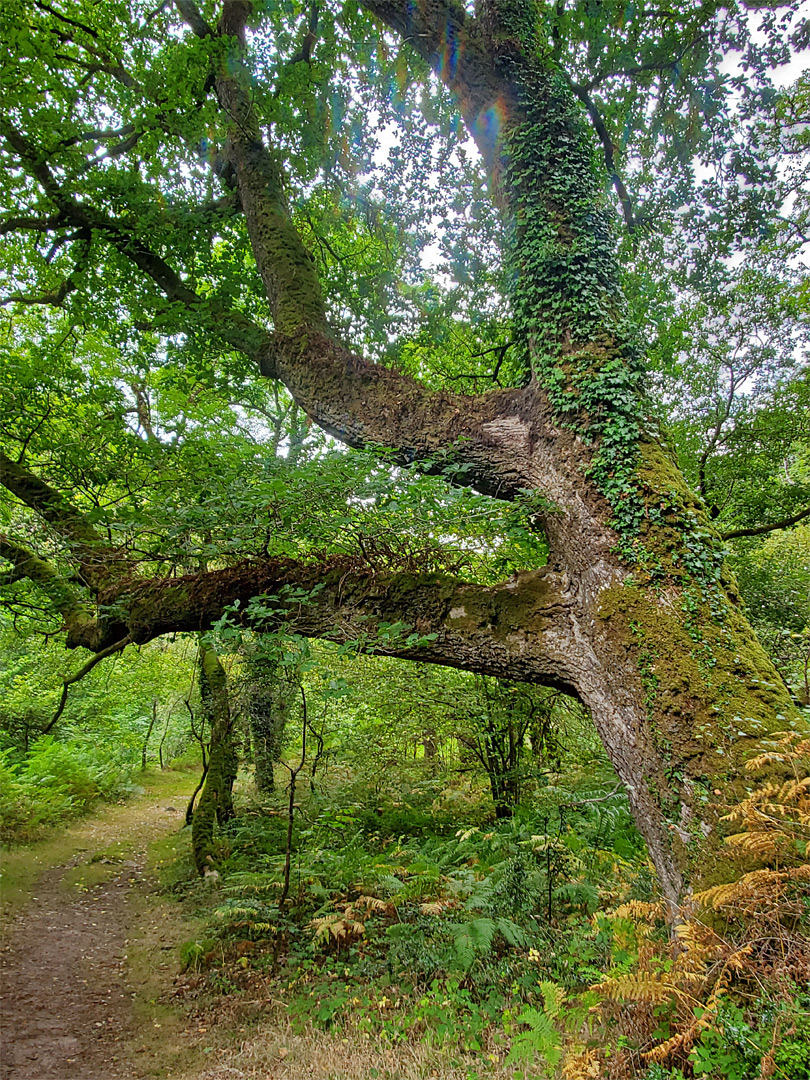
(269,694)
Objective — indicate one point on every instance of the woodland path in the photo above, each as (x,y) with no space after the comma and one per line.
(66,1004)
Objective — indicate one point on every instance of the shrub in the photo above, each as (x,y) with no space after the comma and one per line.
(54,782)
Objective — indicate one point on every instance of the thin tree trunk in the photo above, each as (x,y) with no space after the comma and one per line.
(291,801)
(162,742)
(268,699)
(216,800)
(148,734)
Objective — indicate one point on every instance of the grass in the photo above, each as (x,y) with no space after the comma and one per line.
(111,831)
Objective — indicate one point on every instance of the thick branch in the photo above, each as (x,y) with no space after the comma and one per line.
(485,441)
(452,43)
(191,14)
(520,626)
(761,530)
(286,267)
(32,224)
(360,403)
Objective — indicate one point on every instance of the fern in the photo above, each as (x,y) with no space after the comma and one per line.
(250,917)
(760,905)
(542,1039)
(647,986)
(472,940)
(512,933)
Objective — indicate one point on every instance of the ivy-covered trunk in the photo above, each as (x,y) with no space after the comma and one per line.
(216,800)
(659,648)
(269,695)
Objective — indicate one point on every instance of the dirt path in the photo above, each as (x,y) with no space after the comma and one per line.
(65,1012)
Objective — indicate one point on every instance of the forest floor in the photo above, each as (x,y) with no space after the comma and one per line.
(92,975)
(84,942)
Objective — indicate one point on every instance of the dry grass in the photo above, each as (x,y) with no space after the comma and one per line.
(271,1050)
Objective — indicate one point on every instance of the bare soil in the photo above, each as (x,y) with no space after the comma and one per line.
(66,1011)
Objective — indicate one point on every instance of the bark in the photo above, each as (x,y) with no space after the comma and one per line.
(678,697)
(216,801)
(269,695)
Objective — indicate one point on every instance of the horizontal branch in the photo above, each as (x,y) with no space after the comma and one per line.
(32,224)
(520,627)
(761,530)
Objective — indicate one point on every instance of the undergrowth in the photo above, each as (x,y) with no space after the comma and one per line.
(536,945)
(56,781)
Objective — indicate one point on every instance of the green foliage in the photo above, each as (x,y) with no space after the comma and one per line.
(193,954)
(56,781)
(112,705)
(144,411)
(541,1037)
(774,576)
(730,1048)
(792,1053)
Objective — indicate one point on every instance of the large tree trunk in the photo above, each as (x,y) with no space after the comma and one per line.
(635,613)
(648,633)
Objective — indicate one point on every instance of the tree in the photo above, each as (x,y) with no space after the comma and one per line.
(105,129)
(216,797)
(269,694)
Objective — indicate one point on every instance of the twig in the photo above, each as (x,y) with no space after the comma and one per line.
(80,674)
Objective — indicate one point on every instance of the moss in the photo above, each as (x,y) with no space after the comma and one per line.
(216,801)
(712,695)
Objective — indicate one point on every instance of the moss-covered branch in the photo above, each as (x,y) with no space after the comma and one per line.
(79,618)
(518,626)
